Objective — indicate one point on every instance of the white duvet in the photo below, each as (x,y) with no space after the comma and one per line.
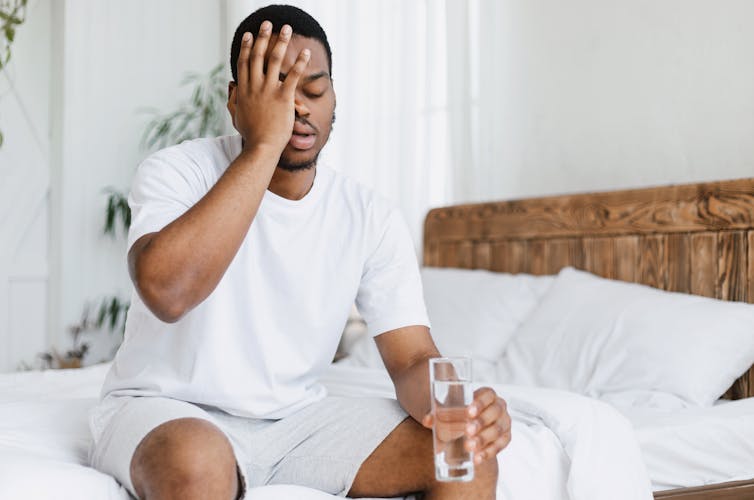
(564,447)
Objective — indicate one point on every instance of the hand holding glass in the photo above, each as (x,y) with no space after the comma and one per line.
(450,381)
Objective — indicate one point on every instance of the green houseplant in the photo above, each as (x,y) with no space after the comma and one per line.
(201,115)
(12,15)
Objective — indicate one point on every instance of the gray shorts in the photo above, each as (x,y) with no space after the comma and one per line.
(321,446)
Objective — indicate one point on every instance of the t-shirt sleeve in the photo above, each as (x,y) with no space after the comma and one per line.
(165,186)
(390,294)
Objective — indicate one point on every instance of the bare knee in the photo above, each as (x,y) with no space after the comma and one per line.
(483,486)
(486,472)
(184,458)
(403,463)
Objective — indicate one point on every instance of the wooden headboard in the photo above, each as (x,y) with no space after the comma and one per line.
(693,238)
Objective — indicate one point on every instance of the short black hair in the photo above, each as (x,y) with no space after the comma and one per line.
(303,24)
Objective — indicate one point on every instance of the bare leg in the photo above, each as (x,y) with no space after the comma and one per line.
(187,459)
(403,464)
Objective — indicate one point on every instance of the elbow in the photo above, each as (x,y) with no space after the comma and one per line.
(167,312)
(163,304)
(159,295)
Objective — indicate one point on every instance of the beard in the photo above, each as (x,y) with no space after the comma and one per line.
(292,166)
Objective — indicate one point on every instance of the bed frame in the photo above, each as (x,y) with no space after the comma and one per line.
(693,238)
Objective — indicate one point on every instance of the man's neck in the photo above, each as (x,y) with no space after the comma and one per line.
(292,185)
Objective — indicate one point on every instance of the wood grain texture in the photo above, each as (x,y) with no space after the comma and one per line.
(688,208)
(750,271)
(465,255)
(483,255)
(576,257)
(448,252)
(696,238)
(558,254)
(703,264)
(731,269)
(599,256)
(535,263)
(431,253)
(653,261)
(509,256)
(627,258)
(678,262)
(736,490)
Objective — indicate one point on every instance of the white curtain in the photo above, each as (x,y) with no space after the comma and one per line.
(405,75)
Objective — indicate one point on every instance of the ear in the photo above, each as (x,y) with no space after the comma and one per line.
(231,91)
(231,104)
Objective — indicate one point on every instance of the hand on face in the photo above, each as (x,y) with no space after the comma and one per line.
(489,428)
(264,105)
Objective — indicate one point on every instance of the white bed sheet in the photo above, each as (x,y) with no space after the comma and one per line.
(44,436)
(44,440)
(695,446)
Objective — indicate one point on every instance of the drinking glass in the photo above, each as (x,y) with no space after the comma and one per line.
(450,381)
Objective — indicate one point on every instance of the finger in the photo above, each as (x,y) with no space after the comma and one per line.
(258,52)
(428,421)
(482,399)
(492,450)
(297,71)
(242,66)
(277,55)
(491,414)
(485,437)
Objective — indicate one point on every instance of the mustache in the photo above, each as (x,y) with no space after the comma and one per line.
(306,122)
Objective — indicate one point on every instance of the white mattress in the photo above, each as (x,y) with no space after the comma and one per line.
(44,440)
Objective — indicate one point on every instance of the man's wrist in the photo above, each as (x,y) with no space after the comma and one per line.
(260,153)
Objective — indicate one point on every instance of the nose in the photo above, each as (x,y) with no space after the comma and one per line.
(300,105)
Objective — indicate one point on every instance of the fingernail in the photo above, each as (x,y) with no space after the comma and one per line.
(286,30)
(246,36)
(471,428)
(307,53)
(266,26)
(472,444)
(472,411)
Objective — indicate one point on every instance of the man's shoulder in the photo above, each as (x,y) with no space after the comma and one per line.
(202,160)
(195,149)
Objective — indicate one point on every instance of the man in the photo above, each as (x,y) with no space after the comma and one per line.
(246,255)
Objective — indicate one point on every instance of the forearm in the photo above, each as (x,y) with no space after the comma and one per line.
(179,266)
(412,388)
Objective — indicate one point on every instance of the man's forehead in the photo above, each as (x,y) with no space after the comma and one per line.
(299,43)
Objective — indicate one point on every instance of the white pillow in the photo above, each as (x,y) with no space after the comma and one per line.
(600,337)
(473,313)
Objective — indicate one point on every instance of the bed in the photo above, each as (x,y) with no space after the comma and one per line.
(694,238)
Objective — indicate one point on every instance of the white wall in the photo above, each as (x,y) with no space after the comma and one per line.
(24,182)
(389,77)
(566,97)
(600,94)
(81,70)
(118,58)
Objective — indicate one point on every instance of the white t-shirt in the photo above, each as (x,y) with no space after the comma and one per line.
(257,345)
